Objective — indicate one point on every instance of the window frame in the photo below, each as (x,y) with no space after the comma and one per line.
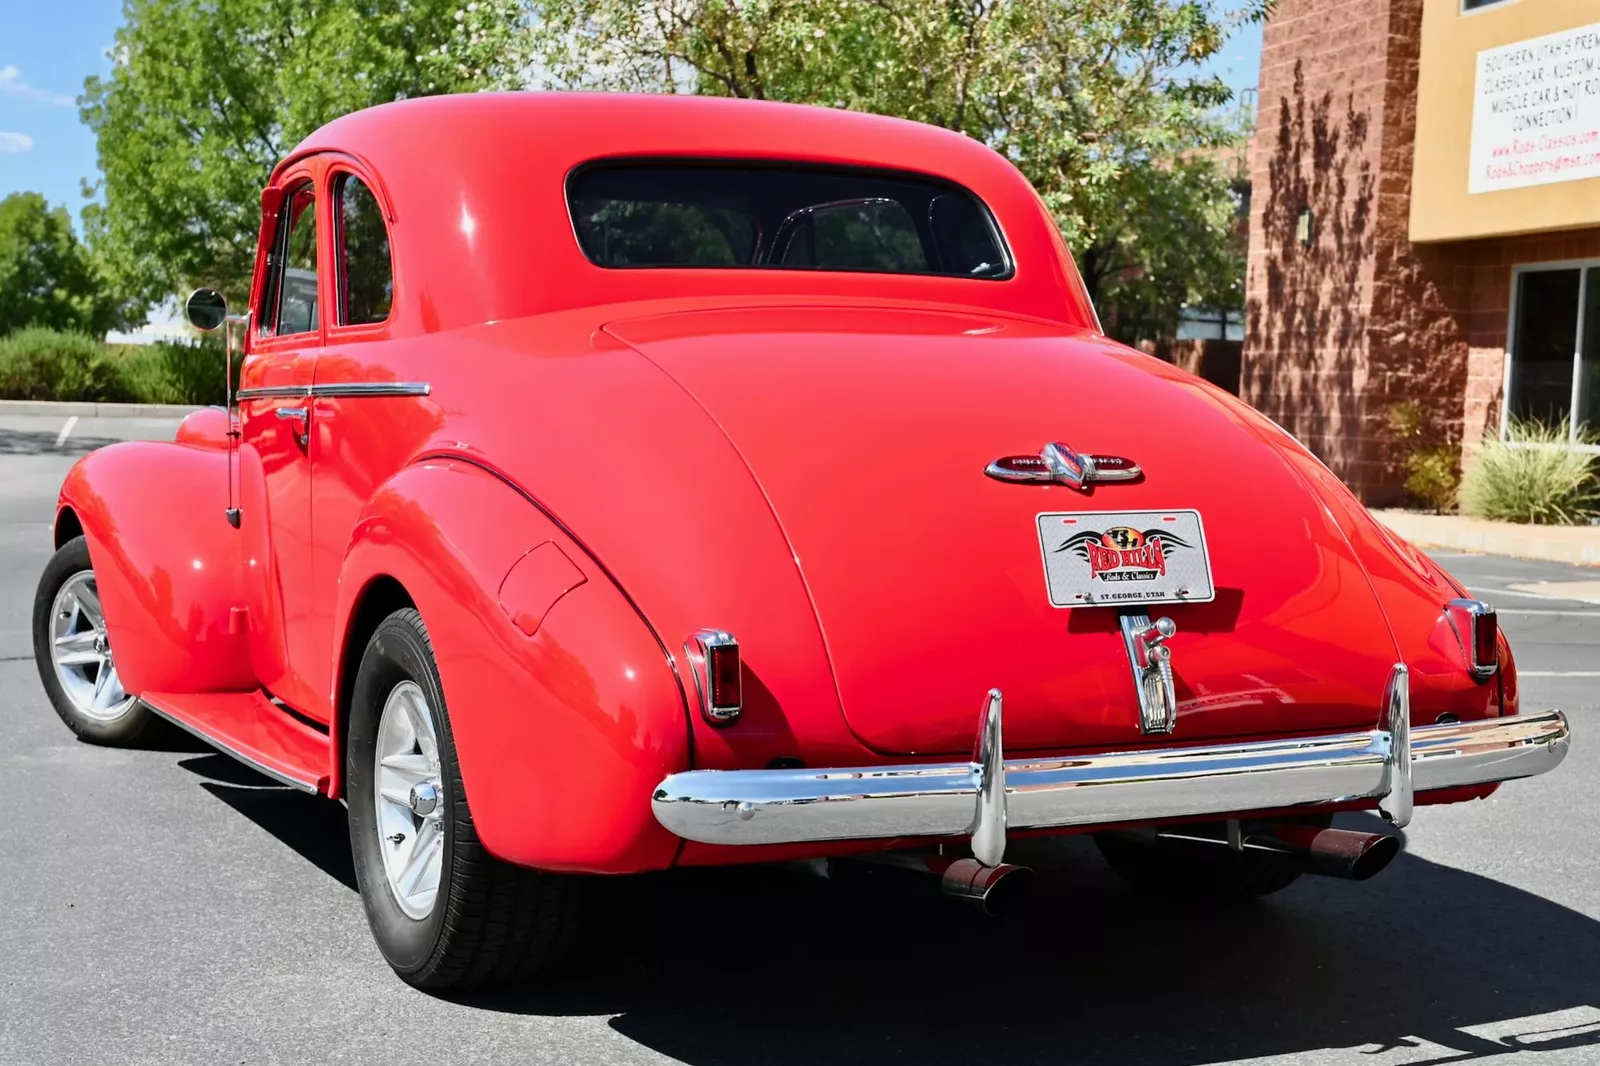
(338,174)
(1464,11)
(270,298)
(996,231)
(1584,268)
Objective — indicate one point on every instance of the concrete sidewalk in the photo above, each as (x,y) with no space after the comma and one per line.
(86,409)
(1577,545)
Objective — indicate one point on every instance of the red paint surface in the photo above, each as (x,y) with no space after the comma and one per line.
(793,456)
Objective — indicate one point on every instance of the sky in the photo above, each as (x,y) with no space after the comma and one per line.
(48,47)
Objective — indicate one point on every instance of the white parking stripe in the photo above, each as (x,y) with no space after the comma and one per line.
(1558,673)
(1491,591)
(1540,610)
(66,431)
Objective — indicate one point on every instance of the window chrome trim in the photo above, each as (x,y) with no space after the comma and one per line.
(336,389)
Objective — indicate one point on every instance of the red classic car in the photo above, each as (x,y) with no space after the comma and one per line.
(620,483)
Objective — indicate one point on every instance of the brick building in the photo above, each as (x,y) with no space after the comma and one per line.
(1425,226)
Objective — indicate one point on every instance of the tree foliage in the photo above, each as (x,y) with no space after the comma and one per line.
(206,96)
(1100,103)
(47,278)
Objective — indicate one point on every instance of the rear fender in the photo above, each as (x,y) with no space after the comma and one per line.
(167,564)
(561,735)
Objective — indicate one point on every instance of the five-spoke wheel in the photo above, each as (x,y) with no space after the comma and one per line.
(406,799)
(73,651)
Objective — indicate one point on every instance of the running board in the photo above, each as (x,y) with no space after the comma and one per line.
(254,730)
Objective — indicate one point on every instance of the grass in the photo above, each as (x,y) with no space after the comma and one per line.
(1535,475)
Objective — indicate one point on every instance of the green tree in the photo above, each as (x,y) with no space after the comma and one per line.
(47,277)
(1101,103)
(206,96)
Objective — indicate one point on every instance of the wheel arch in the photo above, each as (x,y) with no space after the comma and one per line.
(381,596)
(67,526)
(565,710)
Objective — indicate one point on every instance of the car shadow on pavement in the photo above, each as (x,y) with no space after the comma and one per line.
(755,966)
(18,442)
(310,825)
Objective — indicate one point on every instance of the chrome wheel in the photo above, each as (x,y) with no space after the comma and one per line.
(81,651)
(409,799)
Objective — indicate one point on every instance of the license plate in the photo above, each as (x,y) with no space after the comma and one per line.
(1115,558)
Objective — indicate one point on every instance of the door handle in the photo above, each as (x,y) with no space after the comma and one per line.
(301,415)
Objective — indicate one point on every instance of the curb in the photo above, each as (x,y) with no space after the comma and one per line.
(69,409)
(1574,545)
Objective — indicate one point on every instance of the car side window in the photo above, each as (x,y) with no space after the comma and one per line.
(289,304)
(366,272)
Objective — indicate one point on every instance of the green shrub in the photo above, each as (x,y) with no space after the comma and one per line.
(1534,476)
(47,364)
(1431,478)
(174,372)
(44,364)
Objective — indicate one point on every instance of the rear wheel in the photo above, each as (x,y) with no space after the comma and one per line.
(73,653)
(444,912)
(1213,873)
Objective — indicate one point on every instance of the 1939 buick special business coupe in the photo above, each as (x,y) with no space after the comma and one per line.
(619,483)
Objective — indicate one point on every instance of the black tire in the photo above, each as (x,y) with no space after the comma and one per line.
(1199,873)
(491,922)
(134,723)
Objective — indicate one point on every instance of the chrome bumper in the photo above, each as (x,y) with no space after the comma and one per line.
(989,795)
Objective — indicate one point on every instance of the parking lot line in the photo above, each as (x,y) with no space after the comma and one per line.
(66,430)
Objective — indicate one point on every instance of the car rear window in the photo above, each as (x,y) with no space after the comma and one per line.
(682,214)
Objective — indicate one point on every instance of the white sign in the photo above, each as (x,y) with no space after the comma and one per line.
(1536,112)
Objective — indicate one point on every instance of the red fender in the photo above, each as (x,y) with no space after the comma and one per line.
(167,564)
(562,735)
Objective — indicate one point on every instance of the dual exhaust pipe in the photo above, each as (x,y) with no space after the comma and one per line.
(996,890)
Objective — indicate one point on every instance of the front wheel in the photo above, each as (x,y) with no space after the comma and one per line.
(445,913)
(73,653)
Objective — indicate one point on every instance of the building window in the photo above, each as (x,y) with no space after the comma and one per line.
(1553,360)
(1473,5)
(1203,324)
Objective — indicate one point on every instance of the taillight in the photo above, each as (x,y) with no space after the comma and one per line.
(714,658)
(1479,631)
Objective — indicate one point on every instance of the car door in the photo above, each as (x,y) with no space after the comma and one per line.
(274,412)
(371,389)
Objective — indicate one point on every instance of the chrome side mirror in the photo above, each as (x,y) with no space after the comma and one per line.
(206,309)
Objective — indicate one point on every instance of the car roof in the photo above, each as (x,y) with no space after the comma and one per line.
(475,191)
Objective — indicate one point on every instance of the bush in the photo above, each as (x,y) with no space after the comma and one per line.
(174,372)
(1536,475)
(43,364)
(47,364)
(1431,478)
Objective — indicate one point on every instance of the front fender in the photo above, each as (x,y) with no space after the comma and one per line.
(167,564)
(561,735)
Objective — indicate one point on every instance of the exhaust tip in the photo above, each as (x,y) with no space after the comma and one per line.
(1372,861)
(995,890)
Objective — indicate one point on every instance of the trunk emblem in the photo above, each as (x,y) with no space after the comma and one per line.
(1059,464)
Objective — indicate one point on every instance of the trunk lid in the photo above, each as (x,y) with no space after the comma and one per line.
(869,430)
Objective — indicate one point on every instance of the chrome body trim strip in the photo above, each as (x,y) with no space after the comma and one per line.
(336,388)
(938,799)
(372,388)
(266,771)
(274,392)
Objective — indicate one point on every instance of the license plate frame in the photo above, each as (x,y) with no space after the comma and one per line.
(1124,558)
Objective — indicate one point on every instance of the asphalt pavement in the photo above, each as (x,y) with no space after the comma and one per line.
(170,906)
